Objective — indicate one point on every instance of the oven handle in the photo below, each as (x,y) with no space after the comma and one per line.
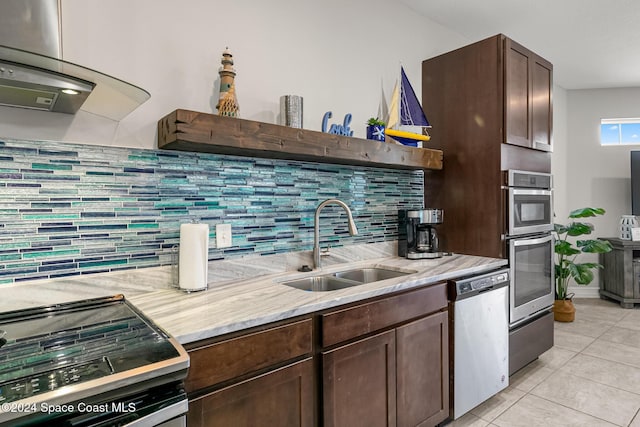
(534,241)
(529,192)
(162,415)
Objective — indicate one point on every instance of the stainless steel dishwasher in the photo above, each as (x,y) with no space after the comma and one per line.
(480,367)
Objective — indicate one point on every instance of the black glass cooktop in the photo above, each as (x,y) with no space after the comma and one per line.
(46,348)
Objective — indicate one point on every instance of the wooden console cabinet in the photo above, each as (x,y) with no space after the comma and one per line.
(619,280)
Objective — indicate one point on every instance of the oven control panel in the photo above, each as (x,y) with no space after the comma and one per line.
(525,179)
(53,379)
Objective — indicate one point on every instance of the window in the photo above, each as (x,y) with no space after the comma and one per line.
(619,131)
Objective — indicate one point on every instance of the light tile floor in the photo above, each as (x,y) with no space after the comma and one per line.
(591,376)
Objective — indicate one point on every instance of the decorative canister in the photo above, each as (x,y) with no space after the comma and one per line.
(375,132)
(291,111)
(627,222)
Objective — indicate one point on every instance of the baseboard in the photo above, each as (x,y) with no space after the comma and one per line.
(584,291)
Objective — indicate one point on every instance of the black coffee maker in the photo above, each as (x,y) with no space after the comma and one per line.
(417,234)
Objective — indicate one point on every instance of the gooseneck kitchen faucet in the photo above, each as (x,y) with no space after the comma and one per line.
(353,230)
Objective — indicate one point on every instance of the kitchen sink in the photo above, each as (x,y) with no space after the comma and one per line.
(343,279)
(368,275)
(321,283)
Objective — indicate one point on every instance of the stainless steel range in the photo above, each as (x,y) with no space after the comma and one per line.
(97,362)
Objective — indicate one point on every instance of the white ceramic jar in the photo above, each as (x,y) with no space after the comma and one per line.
(627,222)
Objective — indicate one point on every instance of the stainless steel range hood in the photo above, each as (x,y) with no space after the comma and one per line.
(33,75)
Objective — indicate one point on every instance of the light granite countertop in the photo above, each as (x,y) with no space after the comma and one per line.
(246,292)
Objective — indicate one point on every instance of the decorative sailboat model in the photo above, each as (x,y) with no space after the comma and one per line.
(407,123)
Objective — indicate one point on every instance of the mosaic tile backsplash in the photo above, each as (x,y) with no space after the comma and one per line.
(70,209)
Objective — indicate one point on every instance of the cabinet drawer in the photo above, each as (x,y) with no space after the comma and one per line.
(235,357)
(362,319)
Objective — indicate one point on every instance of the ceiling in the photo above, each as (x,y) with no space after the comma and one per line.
(591,43)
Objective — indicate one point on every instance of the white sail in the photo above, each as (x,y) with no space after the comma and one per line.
(394,108)
(383,108)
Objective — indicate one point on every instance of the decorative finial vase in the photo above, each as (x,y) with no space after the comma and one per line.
(627,222)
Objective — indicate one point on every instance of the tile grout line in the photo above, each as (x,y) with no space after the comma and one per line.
(577,410)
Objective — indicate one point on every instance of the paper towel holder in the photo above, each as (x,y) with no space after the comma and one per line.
(193,257)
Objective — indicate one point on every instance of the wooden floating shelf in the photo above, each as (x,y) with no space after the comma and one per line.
(186,130)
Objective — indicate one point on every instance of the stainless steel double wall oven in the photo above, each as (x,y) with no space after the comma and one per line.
(530,244)
(530,248)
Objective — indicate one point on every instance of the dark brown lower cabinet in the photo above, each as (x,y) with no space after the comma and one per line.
(359,383)
(396,378)
(381,362)
(283,397)
(422,349)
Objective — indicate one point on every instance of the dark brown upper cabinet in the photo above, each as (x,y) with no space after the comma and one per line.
(528,85)
(490,107)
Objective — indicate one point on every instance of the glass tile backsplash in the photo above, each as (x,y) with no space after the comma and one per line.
(70,209)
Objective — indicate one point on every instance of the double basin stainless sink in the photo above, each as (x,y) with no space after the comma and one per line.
(344,279)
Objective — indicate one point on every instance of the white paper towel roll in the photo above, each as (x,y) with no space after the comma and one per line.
(194,251)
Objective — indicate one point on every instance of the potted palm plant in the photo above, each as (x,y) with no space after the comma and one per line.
(566,265)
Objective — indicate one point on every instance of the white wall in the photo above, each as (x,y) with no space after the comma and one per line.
(559,155)
(593,175)
(335,54)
